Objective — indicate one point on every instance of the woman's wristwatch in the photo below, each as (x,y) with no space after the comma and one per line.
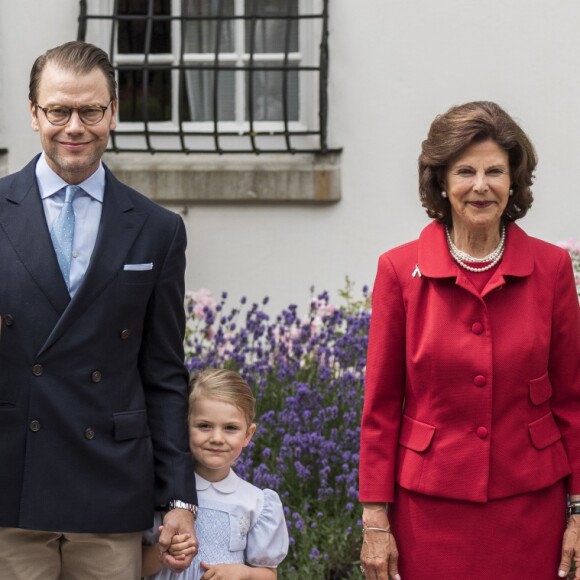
(573,508)
(183,505)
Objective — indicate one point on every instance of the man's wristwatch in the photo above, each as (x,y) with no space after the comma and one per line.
(183,505)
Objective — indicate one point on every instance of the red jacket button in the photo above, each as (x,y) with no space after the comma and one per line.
(477,328)
(479,381)
(481,432)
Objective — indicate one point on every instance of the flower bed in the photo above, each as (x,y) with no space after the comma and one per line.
(307,374)
(573,248)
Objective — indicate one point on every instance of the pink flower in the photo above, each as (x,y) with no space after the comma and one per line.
(321,307)
(202,299)
(572,246)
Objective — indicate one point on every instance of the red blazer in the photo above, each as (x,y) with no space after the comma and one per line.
(469,396)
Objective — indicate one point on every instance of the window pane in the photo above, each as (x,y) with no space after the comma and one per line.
(267,95)
(132,34)
(132,89)
(269,34)
(200,35)
(200,95)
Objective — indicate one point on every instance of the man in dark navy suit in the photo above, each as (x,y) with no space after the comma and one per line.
(93,389)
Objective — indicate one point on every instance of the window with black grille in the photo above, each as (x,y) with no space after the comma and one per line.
(225,76)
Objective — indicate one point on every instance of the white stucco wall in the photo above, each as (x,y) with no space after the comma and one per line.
(395,64)
(28,28)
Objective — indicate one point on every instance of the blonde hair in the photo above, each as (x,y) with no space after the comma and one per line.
(224,385)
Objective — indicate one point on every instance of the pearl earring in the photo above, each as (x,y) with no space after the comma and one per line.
(444,194)
(511,191)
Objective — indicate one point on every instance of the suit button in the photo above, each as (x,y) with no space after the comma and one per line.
(35,425)
(481,432)
(125,334)
(477,328)
(89,433)
(37,370)
(479,381)
(96,376)
(8,320)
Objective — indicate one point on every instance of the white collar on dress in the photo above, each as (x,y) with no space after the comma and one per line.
(227,485)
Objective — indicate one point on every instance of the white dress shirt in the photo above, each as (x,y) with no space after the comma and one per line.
(87,206)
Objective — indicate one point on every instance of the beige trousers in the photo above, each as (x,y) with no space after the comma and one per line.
(34,555)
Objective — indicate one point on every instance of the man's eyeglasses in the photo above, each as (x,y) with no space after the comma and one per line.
(60,115)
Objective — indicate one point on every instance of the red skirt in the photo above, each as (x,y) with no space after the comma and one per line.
(518,537)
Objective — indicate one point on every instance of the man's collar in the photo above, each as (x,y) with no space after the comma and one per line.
(50,182)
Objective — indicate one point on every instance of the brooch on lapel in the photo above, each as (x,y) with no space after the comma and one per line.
(416,272)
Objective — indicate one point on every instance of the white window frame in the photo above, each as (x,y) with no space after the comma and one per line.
(309,34)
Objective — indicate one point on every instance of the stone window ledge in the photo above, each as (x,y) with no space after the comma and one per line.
(3,162)
(168,178)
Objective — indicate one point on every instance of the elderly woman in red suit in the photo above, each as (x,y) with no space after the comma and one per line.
(470,439)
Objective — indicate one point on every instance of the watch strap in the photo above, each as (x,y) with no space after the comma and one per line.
(179,504)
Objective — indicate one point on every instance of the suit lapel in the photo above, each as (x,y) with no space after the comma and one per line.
(120,225)
(23,220)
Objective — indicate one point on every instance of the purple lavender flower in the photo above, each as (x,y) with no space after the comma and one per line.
(307,373)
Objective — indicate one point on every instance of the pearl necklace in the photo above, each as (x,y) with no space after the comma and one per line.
(462,257)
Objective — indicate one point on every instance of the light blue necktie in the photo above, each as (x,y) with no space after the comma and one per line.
(62,232)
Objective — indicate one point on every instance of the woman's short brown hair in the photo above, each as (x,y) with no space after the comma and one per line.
(461,126)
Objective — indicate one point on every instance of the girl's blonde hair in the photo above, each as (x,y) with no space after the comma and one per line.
(224,385)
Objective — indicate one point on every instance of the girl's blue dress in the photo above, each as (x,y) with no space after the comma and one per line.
(237,523)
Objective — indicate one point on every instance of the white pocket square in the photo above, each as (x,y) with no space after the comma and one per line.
(138,267)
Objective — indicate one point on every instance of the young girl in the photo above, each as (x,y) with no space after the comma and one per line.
(241,529)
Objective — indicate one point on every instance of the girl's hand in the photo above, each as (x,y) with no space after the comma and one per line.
(181,545)
(177,522)
(224,571)
(236,572)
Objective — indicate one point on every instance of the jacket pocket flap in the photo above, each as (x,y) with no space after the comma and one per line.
(544,431)
(130,425)
(415,435)
(540,389)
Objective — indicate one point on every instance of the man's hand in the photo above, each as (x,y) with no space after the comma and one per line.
(178,522)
